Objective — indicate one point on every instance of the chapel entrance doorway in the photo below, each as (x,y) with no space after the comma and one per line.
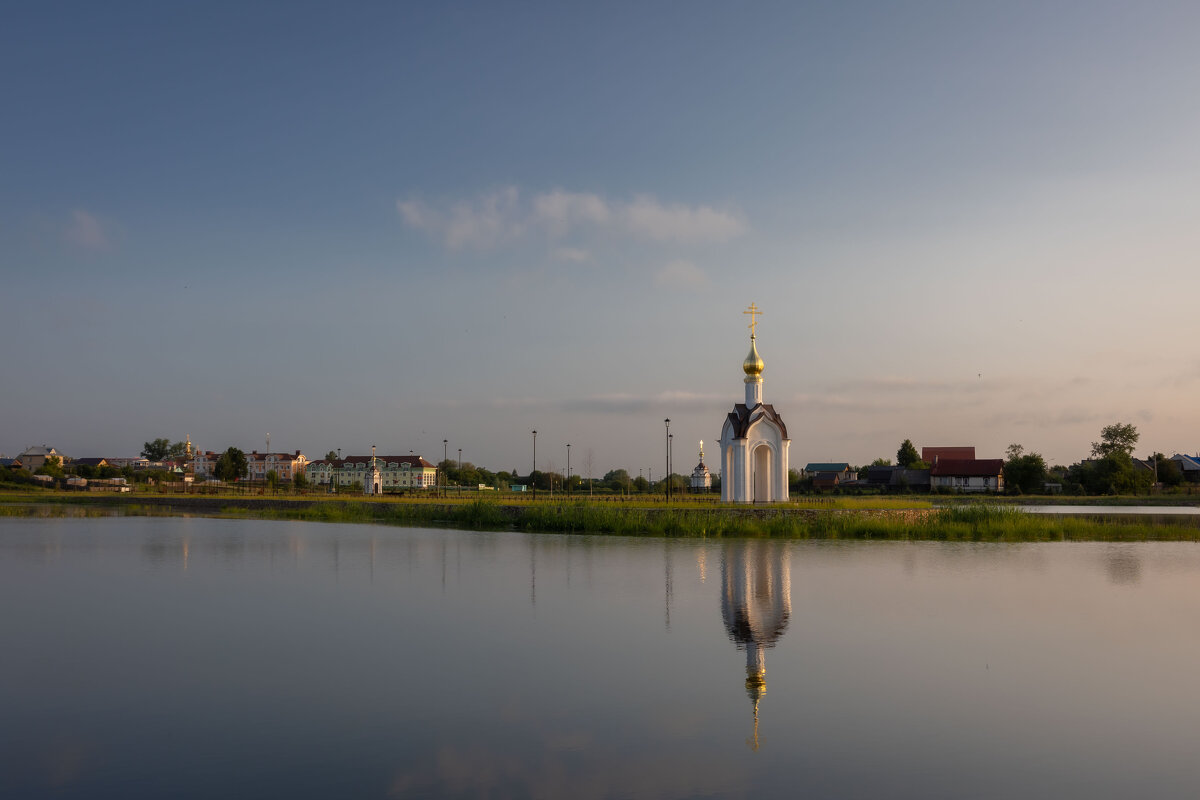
(762,474)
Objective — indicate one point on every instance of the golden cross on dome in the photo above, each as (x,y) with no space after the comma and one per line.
(753,312)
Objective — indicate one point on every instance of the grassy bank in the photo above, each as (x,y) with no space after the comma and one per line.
(977,523)
(968,523)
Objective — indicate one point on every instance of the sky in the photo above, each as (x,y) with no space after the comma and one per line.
(402,223)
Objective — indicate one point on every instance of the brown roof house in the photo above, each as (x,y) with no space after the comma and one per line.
(931,455)
(968,475)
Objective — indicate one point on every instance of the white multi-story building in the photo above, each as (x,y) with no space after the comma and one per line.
(286,465)
(396,472)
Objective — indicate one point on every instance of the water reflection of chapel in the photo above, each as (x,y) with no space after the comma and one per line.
(756,605)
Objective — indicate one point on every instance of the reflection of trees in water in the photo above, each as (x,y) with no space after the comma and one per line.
(756,605)
(1123,564)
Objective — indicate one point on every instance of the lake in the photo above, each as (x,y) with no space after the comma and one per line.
(193,657)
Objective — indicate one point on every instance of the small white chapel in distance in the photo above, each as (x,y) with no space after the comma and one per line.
(754,440)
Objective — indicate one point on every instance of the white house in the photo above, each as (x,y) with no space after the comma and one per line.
(968,475)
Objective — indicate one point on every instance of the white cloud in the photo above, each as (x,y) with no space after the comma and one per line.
(681,274)
(500,217)
(647,217)
(87,232)
(490,220)
(559,210)
(572,254)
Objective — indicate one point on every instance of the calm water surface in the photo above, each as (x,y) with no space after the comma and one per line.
(151,657)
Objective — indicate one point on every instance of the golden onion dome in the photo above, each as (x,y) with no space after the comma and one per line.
(753,365)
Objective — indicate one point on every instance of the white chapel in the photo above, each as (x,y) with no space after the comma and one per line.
(754,440)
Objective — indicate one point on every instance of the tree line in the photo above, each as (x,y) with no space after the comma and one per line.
(1111,469)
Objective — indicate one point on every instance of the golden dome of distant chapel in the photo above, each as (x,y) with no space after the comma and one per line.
(753,365)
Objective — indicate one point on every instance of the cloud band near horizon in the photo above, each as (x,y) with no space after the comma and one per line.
(502,217)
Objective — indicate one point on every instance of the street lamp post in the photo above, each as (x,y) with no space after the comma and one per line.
(667,483)
(533,474)
(567,485)
(670,453)
(460,460)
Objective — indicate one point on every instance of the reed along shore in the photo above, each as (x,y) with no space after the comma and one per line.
(973,523)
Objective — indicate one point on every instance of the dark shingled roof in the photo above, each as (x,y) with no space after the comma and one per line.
(880,475)
(414,462)
(741,418)
(973,468)
(931,454)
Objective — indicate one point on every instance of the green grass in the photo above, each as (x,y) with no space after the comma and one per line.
(976,523)
(843,518)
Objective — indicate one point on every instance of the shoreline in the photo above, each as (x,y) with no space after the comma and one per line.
(960,521)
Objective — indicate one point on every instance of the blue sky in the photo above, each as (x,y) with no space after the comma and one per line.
(401,223)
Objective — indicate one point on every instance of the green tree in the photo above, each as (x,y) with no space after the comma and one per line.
(539,480)
(1024,472)
(882,462)
(300,481)
(641,484)
(1169,473)
(618,480)
(51,467)
(156,450)
(1118,437)
(331,455)
(907,454)
(231,465)
(272,479)
(1112,474)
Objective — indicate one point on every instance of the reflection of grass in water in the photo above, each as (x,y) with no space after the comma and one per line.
(54,510)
